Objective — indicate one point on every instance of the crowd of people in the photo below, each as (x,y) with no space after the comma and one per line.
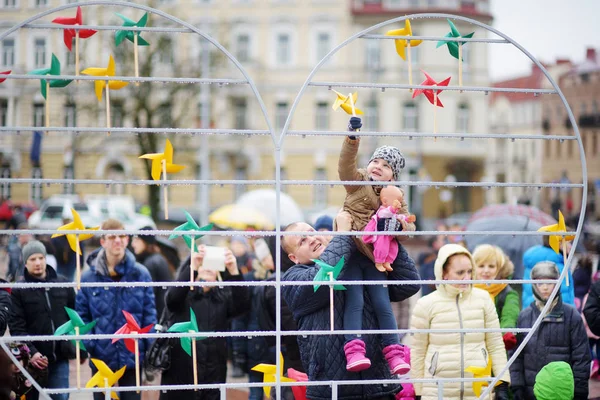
(460,329)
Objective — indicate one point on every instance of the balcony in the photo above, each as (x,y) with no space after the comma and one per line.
(469,8)
(589,121)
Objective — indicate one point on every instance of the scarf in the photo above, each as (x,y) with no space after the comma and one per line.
(493,289)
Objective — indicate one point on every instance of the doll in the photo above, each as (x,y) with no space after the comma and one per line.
(388,219)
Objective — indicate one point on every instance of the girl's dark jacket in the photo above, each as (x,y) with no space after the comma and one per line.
(323,355)
(213,311)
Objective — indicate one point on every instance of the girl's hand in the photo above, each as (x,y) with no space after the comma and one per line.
(343,221)
(198,258)
(231,263)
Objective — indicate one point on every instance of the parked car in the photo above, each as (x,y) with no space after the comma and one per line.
(57,208)
(120,207)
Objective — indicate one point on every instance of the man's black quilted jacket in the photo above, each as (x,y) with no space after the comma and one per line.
(323,356)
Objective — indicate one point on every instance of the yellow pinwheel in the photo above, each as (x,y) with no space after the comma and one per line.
(163,162)
(347,103)
(105,377)
(75,238)
(269,372)
(557,240)
(401,44)
(100,84)
(481,372)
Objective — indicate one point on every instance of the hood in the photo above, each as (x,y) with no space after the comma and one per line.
(554,382)
(540,253)
(50,275)
(97,262)
(444,254)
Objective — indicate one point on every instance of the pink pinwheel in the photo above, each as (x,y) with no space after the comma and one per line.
(69,34)
(4,73)
(131,326)
(429,93)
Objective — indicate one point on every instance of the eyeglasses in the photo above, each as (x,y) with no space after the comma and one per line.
(113,237)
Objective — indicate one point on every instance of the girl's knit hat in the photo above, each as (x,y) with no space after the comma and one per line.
(393,156)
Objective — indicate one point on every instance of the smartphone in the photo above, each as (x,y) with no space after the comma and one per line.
(214,258)
(261,249)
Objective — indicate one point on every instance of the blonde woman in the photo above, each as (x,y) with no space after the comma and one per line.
(448,355)
(491,263)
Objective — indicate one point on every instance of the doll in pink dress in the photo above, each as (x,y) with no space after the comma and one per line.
(388,219)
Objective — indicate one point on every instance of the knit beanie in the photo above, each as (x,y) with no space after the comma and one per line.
(148,239)
(324,222)
(33,247)
(544,270)
(393,157)
(554,382)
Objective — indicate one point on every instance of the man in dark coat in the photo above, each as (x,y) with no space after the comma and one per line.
(40,312)
(560,337)
(213,307)
(323,356)
(114,263)
(5,307)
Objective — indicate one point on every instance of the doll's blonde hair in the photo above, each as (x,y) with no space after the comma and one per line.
(489,254)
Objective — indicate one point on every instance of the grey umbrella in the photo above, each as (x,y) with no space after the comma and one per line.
(513,246)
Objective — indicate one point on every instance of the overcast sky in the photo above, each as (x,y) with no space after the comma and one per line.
(537,25)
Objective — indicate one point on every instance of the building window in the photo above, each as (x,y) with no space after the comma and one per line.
(467,56)
(38,114)
(371,119)
(595,143)
(322,116)
(8,52)
(320,191)
(323,45)
(241,174)
(240,109)
(281,114)
(41,3)
(242,45)
(39,49)
(594,107)
(70,115)
(373,56)
(117,109)
(410,117)
(5,173)
(583,109)
(9,3)
(165,52)
(70,55)
(462,120)
(3,112)
(283,50)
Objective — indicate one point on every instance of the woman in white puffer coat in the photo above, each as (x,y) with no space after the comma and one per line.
(448,355)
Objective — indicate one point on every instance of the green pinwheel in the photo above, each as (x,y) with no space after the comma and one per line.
(187,327)
(75,322)
(131,35)
(452,45)
(191,225)
(53,70)
(326,272)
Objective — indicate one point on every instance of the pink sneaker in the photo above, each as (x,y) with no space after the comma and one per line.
(398,358)
(356,360)
(595,368)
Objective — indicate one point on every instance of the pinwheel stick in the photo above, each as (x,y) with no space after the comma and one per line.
(107,106)
(137,361)
(194,361)
(564,251)
(77,54)
(77,356)
(78,265)
(460,65)
(435,100)
(191,265)
(409,65)
(107,393)
(135,57)
(165,194)
(352,105)
(47,104)
(331,300)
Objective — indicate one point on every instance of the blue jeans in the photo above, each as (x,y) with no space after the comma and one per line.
(58,378)
(380,299)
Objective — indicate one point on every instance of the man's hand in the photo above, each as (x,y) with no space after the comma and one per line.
(231,263)
(198,258)
(39,361)
(343,221)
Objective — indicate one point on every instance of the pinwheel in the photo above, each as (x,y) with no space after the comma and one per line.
(432,94)
(455,47)
(69,33)
(131,326)
(133,37)
(555,241)
(188,344)
(4,73)
(46,84)
(75,326)
(270,374)
(105,377)
(480,372)
(347,103)
(100,84)
(75,238)
(403,44)
(329,273)
(190,240)
(163,162)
